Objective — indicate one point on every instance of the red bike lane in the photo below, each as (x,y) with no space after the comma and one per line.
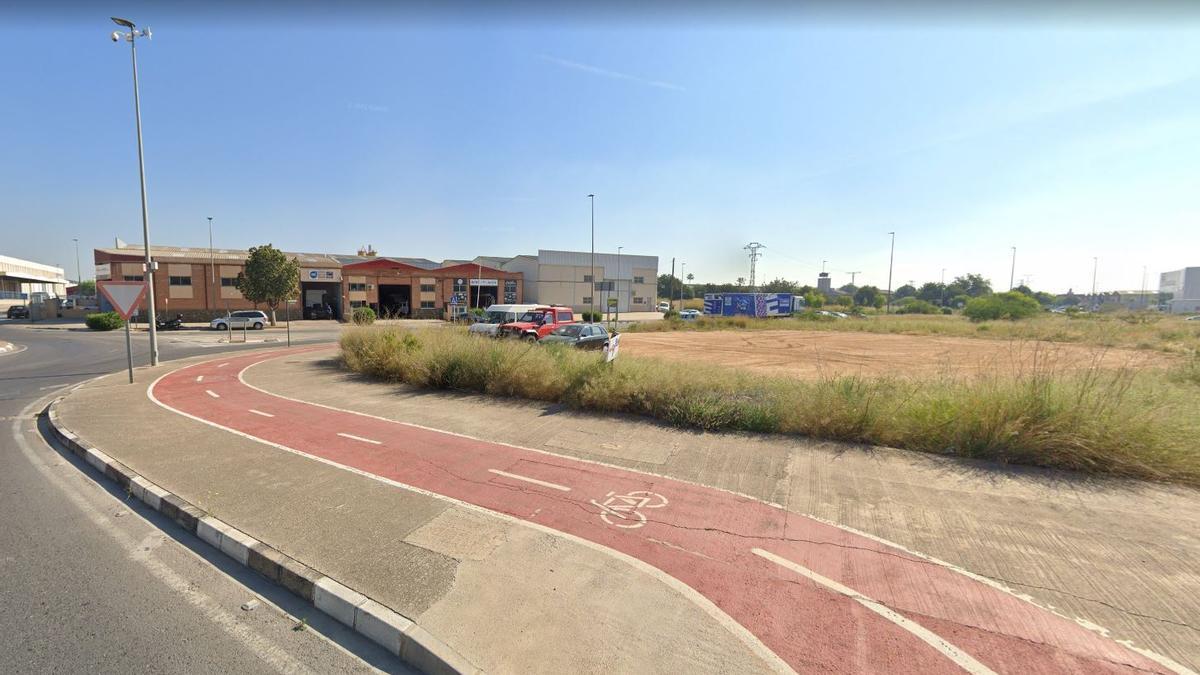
(818,597)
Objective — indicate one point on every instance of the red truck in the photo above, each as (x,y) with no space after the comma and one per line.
(537,323)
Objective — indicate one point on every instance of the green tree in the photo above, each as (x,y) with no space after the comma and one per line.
(1045,299)
(848,288)
(932,292)
(843,301)
(973,285)
(814,300)
(866,295)
(87,288)
(269,278)
(1022,288)
(668,286)
(779,286)
(905,291)
(740,283)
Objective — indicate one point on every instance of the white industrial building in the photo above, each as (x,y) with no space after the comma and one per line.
(565,278)
(1181,290)
(21,280)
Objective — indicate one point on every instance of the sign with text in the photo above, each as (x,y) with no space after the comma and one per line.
(103,270)
(319,274)
(611,347)
(125,296)
(484,282)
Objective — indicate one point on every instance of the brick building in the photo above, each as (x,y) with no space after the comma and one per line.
(200,285)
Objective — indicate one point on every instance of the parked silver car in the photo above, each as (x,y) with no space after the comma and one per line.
(252,318)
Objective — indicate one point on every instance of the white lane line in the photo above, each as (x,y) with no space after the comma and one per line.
(222,365)
(212,393)
(259,412)
(527,479)
(958,656)
(359,438)
(199,378)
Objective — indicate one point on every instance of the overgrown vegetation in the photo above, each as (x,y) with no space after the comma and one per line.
(104,321)
(1121,422)
(1012,305)
(1147,330)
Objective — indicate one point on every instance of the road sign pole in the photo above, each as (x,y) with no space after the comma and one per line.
(287,308)
(129,351)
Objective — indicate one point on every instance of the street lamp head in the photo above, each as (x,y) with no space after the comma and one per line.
(122,22)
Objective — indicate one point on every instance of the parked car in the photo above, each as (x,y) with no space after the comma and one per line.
(246,319)
(69,303)
(496,316)
(835,315)
(690,314)
(664,306)
(1192,318)
(579,335)
(537,323)
(18,312)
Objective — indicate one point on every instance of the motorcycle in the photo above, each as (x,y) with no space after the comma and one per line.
(162,323)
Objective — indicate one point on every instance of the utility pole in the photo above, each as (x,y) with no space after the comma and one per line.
(1145,305)
(753,247)
(1095,266)
(1013,273)
(671,285)
(682,267)
(891,259)
(79,274)
(943,285)
(852,275)
(592,290)
(131,37)
(619,282)
(212,266)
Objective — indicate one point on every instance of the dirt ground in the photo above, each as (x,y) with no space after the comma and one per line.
(812,354)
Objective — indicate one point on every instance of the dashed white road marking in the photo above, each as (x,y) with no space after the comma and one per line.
(212,393)
(259,412)
(527,479)
(359,438)
(199,378)
(222,365)
(958,656)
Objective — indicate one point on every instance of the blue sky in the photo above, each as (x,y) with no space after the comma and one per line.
(439,139)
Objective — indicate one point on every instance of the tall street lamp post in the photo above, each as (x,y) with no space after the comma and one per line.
(592,290)
(619,282)
(212,266)
(891,259)
(131,38)
(79,274)
(1013,273)
(1095,266)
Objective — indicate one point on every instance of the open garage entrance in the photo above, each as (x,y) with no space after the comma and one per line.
(395,300)
(322,299)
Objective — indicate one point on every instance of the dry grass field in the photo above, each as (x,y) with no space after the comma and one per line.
(820,354)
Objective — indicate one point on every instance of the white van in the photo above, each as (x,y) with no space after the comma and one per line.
(496,315)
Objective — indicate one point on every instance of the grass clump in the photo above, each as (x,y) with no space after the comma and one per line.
(1120,422)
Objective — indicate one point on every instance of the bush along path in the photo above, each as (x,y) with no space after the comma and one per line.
(1119,422)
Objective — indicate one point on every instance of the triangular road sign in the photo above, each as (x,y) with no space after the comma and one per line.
(125,296)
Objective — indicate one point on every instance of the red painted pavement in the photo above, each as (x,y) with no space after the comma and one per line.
(703,537)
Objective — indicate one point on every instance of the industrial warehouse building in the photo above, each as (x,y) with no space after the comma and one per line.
(21,280)
(1181,288)
(199,283)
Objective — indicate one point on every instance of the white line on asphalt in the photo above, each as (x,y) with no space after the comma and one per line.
(527,479)
(259,412)
(222,365)
(958,656)
(199,378)
(212,393)
(359,438)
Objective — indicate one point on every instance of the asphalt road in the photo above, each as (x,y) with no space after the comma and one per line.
(95,583)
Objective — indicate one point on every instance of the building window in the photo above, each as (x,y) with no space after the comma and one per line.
(181,281)
(639,280)
(358,287)
(587,300)
(460,288)
(228,282)
(639,301)
(138,277)
(426,304)
(428,288)
(587,278)
(355,304)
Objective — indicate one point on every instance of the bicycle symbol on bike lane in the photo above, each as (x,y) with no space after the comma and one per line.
(624,511)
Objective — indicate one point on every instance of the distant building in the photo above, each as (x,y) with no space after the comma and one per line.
(1134,300)
(825,287)
(1180,290)
(20,279)
(565,278)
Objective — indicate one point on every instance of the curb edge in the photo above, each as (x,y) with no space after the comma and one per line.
(399,635)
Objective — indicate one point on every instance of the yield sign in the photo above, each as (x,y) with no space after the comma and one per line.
(125,296)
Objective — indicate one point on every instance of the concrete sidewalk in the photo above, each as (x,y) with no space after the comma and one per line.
(510,599)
